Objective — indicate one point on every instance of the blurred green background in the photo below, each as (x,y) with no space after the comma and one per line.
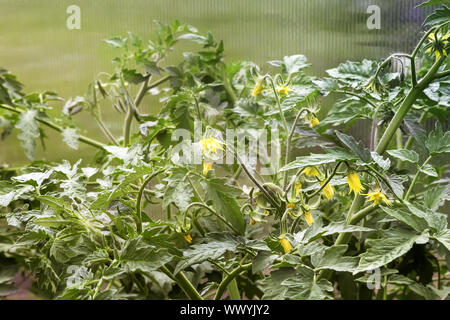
(36,45)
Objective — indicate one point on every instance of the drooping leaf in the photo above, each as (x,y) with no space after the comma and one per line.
(29,131)
(402,214)
(304,286)
(405,155)
(223,199)
(357,147)
(215,247)
(70,137)
(438,142)
(333,258)
(391,245)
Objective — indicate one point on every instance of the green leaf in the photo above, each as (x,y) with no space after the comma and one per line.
(326,85)
(436,196)
(29,131)
(354,72)
(304,286)
(133,76)
(417,223)
(263,260)
(441,15)
(271,285)
(223,199)
(429,170)
(357,147)
(70,137)
(116,42)
(391,245)
(294,64)
(333,258)
(412,285)
(139,256)
(332,228)
(435,220)
(405,155)
(214,249)
(438,142)
(7,198)
(195,38)
(444,238)
(432,2)
(332,155)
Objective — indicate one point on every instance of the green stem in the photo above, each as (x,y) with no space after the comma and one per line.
(53,126)
(183,282)
(139,200)
(233,290)
(325,183)
(203,205)
(288,143)
(223,285)
(413,182)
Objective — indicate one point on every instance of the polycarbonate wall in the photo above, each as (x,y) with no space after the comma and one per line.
(36,45)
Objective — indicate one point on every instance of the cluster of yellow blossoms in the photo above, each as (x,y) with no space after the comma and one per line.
(209,145)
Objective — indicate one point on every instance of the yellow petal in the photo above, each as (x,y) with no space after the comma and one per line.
(311,171)
(328,190)
(309,218)
(314,122)
(286,245)
(257,89)
(188,237)
(298,186)
(206,167)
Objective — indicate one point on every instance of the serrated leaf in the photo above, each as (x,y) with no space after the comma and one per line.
(70,137)
(429,170)
(333,258)
(417,223)
(441,15)
(405,155)
(223,199)
(414,286)
(436,196)
(438,142)
(139,256)
(215,247)
(272,288)
(293,64)
(332,155)
(391,245)
(358,148)
(432,3)
(305,287)
(29,131)
(7,198)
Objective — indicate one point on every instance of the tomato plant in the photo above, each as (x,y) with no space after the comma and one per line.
(239,187)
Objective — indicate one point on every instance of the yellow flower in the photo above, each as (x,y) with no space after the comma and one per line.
(438,44)
(378,196)
(257,89)
(291,205)
(328,190)
(284,90)
(298,186)
(311,172)
(188,237)
(210,145)
(314,122)
(309,218)
(206,167)
(285,244)
(354,183)
(252,221)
